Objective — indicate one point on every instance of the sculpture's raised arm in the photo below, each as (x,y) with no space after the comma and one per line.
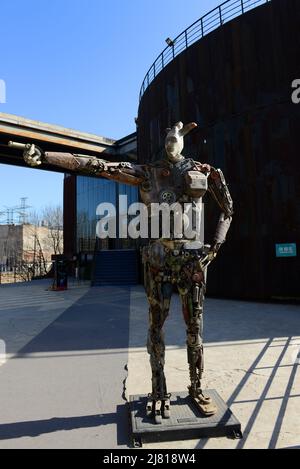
(124,172)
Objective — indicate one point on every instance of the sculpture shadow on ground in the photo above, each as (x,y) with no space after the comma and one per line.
(98,320)
(34,429)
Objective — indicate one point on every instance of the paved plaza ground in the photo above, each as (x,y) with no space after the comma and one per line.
(74,357)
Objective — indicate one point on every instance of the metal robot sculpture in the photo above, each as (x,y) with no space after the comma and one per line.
(167,261)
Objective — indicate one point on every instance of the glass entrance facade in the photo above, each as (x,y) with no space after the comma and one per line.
(90,193)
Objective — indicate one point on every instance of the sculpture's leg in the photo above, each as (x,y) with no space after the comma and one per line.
(159,297)
(192,303)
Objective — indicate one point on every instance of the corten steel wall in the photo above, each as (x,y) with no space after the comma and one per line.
(236,84)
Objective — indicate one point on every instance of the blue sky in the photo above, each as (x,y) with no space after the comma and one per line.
(80,64)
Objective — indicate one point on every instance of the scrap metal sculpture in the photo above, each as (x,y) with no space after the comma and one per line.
(169,261)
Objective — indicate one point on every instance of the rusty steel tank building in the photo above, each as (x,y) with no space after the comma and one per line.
(232,72)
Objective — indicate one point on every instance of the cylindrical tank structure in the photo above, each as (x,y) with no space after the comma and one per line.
(236,83)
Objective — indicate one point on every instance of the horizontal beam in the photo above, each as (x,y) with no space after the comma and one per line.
(38,131)
(56,138)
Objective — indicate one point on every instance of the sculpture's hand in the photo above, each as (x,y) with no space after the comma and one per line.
(209,254)
(33,155)
(212,253)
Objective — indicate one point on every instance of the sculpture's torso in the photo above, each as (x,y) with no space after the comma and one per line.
(168,183)
(182,183)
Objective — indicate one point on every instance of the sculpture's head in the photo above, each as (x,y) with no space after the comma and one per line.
(174,143)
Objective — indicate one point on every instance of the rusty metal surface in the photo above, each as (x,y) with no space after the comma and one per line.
(236,84)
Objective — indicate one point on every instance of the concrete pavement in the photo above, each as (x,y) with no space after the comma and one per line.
(65,381)
(63,389)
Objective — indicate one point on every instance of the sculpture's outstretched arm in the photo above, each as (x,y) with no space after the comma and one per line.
(125,172)
(218,188)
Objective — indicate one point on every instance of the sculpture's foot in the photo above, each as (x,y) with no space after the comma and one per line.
(206,399)
(157,412)
(167,410)
(158,408)
(204,403)
(149,406)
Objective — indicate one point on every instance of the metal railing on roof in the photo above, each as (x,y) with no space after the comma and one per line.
(215,18)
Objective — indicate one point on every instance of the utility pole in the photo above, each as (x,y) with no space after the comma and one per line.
(21,210)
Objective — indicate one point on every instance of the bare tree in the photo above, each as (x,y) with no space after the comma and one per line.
(24,271)
(26,251)
(52,217)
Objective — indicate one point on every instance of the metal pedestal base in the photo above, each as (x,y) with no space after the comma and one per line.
(186,420)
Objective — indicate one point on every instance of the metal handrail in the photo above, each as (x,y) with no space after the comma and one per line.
(220,15)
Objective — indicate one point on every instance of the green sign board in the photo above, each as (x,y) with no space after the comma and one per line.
(286,250)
